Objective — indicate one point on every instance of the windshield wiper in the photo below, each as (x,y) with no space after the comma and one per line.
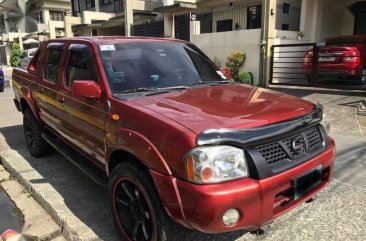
(179,87)
(136,90)
(152,90)
(213,82)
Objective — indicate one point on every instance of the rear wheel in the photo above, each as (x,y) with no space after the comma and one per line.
(309,78)
(2,88)
(363,77)
(136,208)
(37,146)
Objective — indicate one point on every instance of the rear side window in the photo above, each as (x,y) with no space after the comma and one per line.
(53,62)
(80,65)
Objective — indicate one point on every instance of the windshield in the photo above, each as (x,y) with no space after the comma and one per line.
(148,65)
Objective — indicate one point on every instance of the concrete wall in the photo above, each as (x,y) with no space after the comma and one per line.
(292,18)
(53,25)
(88,16)
(220,45)
(337,19)
(326,18)
(69,22)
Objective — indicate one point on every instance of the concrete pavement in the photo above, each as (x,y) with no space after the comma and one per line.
(80,207)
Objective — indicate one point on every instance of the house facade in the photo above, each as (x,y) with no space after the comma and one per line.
(109,17)
(254,26)
(36,19)
(219,27)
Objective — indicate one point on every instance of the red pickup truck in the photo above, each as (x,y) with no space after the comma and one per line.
(181,145)
(339,58)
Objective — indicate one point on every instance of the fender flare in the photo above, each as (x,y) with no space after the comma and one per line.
(26,94)
(139,146)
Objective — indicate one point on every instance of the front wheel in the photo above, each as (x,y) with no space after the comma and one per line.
(136,208)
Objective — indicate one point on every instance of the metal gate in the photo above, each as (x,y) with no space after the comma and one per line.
(317,65)
(182,28)
(149,29)
(3,60)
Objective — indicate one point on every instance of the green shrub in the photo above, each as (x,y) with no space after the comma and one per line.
(245,78)
(15,54)
(235,61)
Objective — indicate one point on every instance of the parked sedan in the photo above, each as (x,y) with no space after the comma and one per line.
(26,57)
(2,81)
(339,58)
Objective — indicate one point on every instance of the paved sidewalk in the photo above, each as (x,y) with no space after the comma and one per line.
(37,223)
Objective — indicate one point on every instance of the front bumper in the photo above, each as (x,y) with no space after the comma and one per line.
(258,201)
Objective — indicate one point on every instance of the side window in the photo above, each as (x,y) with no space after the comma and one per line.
(53,61)
(80,65)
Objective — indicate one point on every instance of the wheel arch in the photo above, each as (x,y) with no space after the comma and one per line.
(127,145)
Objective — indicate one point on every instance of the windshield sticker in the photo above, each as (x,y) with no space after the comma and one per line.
(221,74)
(107,47)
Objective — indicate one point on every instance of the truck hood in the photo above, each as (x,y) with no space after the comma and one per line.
(226,106)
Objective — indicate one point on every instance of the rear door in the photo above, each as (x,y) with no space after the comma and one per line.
(81,119)
(49,78)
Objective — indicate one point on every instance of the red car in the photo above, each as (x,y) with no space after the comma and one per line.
(183,147)
(342,57)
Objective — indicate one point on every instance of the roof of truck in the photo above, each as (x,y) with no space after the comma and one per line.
(109,39)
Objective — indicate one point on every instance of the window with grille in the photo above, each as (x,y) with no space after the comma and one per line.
(57,15)
(254,17)
(224,25)
(90,4)
(286,8)
(106,2)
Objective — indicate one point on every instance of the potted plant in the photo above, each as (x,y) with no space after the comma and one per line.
(300,35)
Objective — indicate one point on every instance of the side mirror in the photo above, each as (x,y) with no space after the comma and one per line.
(86,88)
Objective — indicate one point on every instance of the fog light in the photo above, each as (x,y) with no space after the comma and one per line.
(231,217)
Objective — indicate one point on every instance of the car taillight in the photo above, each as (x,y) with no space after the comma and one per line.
(308,58)
(351,56)
(349,59)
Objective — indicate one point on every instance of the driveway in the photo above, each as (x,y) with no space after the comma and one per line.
(80,206)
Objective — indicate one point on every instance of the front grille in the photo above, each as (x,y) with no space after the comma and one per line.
(283,150)
(313,137)
(273,153)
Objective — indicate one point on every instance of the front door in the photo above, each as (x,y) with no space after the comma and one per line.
(82,120)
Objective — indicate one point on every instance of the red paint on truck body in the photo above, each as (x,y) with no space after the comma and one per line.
(160,130)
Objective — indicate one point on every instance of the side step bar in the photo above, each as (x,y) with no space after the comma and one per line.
(83,164)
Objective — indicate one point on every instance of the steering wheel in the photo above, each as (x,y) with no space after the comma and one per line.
(181,73)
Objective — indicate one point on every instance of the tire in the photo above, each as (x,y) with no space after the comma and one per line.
(309,78)
(363,77)
(131,190)
(2,88)
(37,146)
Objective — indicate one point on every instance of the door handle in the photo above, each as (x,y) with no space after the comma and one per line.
(41,90)
(60,98)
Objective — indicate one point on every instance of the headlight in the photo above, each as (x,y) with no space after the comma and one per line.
(325,123)
(215,164)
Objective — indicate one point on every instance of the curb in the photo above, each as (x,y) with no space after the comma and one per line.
(361,107)
(68,233)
